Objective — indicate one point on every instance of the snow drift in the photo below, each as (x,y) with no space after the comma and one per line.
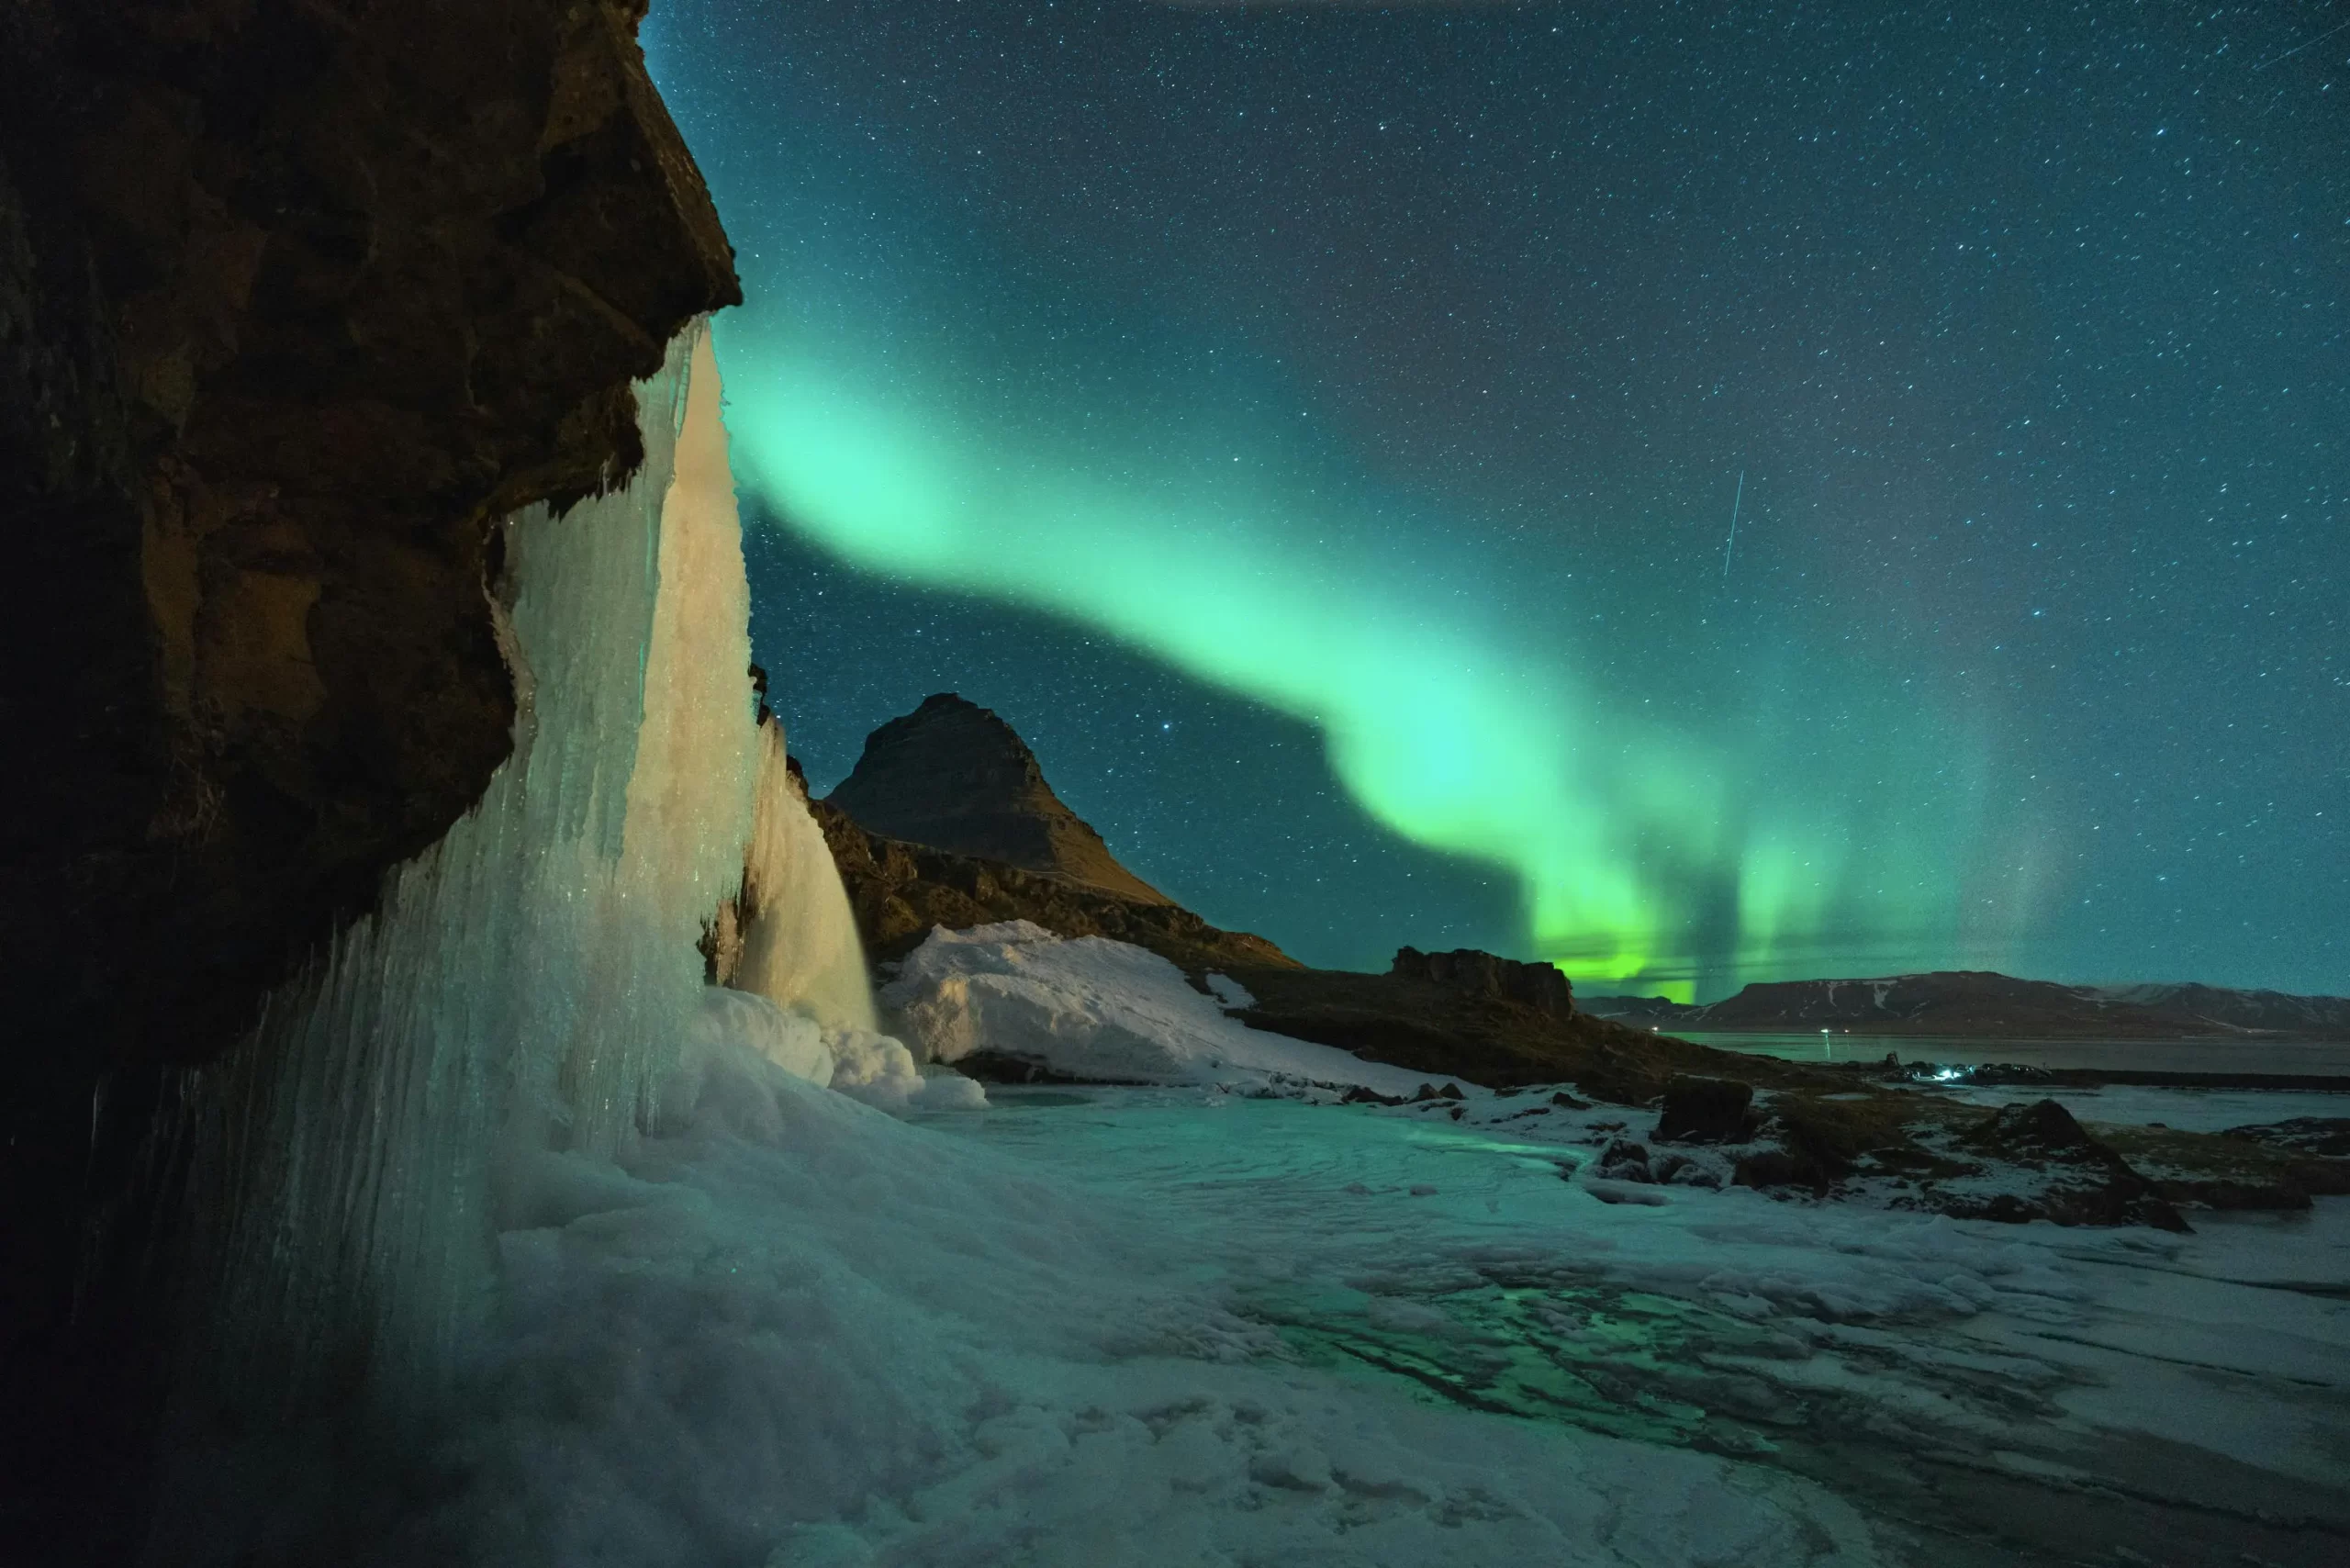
(1098,1010)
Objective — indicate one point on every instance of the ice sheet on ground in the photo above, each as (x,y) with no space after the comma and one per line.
(870,1067)
(1125,1327)
(789,1329)
(1093,1009)
(2199,1387)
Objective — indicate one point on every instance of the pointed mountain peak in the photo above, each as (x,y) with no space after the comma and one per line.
(953,775)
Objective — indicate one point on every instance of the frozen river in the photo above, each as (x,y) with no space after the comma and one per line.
(1979,1392)
(1101,1328)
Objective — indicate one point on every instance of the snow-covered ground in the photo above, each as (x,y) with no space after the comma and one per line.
(1183,1324)
(795,1331)
(1095,1010)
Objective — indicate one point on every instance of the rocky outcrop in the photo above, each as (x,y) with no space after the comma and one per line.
(953,776)
(1481,1034)
(1706,1110)
(1479,973)
(2317,1136)
(2282,1165)
(299,299)
(2084,1182)
(296,299)
(2016,1164)
(900,891)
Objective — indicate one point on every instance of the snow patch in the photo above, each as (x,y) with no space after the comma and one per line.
(1092,1008)
(1229,993)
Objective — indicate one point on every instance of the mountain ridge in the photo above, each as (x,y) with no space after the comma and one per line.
(955,775)
(1985,1002)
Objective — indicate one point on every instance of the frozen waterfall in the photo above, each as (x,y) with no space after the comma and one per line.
(526,984)
(791,939)
(799,947)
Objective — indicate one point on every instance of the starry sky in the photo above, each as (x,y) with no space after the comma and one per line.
(1700,493)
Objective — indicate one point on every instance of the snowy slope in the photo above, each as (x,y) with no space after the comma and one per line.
(1097,1011)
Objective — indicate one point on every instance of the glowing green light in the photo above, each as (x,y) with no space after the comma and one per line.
(1673,827)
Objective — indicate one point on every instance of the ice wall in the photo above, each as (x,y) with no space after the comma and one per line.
(798,953)
(524,983)
(800,948)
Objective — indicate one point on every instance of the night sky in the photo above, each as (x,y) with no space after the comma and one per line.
(1318,428)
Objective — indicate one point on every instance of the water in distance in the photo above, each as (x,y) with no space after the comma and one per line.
(2296,1057)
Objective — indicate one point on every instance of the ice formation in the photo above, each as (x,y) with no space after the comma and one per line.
(1093,1009)
(786,1330)
(798,949)
(521,983)
(530,1247)
(800,942)
(527,982)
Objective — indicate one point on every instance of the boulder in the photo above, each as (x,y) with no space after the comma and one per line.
(2080,1180)
(1624,1161)
(1479,973)
(1706,1110)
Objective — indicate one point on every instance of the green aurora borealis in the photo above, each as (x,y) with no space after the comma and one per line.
(1500,599)
(1460,705)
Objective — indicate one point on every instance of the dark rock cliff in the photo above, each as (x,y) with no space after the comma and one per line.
(296,298)
(953,775)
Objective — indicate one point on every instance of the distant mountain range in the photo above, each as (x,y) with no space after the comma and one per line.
(1978,1002)
(947,821)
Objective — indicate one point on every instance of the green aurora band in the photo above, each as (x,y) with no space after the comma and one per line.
(1393,368)
(1692,791)
(1195,527)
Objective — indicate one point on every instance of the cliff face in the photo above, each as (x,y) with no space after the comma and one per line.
(1538,985)
(953,775)
(296,299)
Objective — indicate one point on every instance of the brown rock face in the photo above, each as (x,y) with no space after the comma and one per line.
(299,298)
(296,299)
(900,891)
(953,775)
(1480,973)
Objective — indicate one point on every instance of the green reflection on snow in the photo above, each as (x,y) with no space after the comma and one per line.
(1624,1363)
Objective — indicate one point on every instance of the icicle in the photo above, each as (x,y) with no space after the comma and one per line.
(524,983)
(800,948)
(798,952)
